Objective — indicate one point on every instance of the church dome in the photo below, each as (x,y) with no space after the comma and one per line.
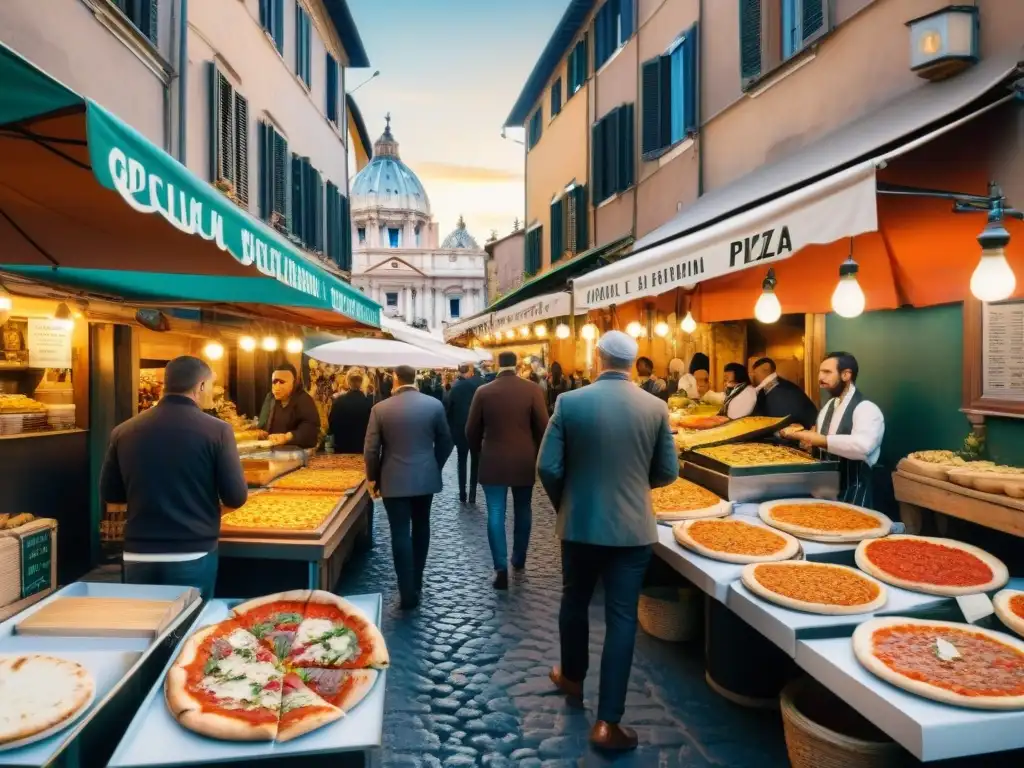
(387,182)
(460,238)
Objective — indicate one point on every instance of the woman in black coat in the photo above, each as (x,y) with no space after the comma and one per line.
(349,417)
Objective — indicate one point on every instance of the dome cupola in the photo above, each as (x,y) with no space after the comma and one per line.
(386,182)
(460,238)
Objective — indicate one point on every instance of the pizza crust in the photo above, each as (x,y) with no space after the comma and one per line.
(1001,602)
(291,596)
(218,726)
(176,694)
(721,509)
(1000,575)
(750,582)
(764,511)
(683,537)
(39,693)
(379,657)
(363,680)
(863,649)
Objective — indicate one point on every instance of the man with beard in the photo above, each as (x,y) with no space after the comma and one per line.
(849,429)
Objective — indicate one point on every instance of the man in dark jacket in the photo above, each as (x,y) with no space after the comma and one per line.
(350,413)
(407,444)
(174,466)
(456,406)
(506,424)
(780,397)
(289,414)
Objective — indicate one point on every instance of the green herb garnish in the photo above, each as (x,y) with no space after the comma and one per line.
(263,628)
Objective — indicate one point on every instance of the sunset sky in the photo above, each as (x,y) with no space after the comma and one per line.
(450,71)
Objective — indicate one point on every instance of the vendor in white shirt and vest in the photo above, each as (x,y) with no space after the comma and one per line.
(849,429)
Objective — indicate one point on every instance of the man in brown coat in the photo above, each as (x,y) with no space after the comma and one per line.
(506,424)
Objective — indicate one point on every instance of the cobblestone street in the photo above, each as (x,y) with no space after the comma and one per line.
(469,686)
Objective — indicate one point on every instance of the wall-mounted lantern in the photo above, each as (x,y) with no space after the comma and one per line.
(945,42)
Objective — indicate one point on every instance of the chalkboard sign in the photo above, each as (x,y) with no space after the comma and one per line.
(36,562)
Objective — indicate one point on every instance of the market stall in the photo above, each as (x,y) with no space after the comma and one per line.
(106,643)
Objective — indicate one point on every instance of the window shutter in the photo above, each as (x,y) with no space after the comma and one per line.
(650,109)
(265,14)
(215,119)
(597,160)
(812,19)
(557,243)
(581,218)
(627,12)
(277,24)
(280,178)
(602,28)
(241,158)
(318,191)
(556,97)
(691,86)
(583,60)
(610,154)
(150,16)
(297,220)
(346,233)
(750,39)
(264,170)
(626,146)
(332,89)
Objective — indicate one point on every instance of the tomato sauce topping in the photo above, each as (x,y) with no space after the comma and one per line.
(928,563)
(1017,605)
(817,584)
(984,666)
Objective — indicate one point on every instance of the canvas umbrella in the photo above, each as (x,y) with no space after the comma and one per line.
(378,353)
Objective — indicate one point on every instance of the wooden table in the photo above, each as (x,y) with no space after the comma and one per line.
(919,496)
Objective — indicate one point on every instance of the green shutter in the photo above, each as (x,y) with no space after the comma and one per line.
(691,88)
(280,174)
(150,29)
(611,154)
(626,147)
(277,24)
(627,12)
(582,218)
(297,221)
(213,78)
(241,158)
(346,231)
(812,19)
(650,107)
(750,39)
(597,160)
(265,14)
(557,228)
(264,170)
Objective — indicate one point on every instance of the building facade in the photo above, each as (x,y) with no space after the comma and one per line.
(399,260)
(505,264)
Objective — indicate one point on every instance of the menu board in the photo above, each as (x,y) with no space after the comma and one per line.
(36,561)
(49,343)
(1002,350)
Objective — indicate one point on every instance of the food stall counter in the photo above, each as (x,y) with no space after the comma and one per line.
(154,738)
(118,660)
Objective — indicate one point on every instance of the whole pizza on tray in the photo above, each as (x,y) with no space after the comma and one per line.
(733,540)
(931,565)
(1009,605)
(683,500)
(278,667)
(828,521)
(815,587)
(957,664)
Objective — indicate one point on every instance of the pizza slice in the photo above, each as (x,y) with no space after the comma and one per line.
(335,633)
(225,684)
(274,619)
(302,710)
(343,688)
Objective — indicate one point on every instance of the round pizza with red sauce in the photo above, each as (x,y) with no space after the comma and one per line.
(931,565)
(1009,606)
(280,666)
(957,664)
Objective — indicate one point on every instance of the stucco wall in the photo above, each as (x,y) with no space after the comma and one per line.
(507,258)
(66,39)
(231,32)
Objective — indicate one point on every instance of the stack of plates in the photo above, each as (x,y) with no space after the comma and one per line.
(10,570)
(11,423)
(35,422)
(60,416)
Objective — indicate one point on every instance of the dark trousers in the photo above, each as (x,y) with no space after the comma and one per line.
(409,518)
(200,573)
(621,569)
(461,453)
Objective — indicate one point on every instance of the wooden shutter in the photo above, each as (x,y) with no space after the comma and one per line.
(241,157)
(265,14)
(604,35)
(627,12)
(582,59)
(691,85)
(277,24)
(297,221)
(582,215)
(610,154)
(318,209)
(626,146)
(264,170)
(557,228)
(812,19)
(597,160)
(280,175)
(556,97)
(213,78)
(332,89)
(346,233)
(750,39)
(650,108)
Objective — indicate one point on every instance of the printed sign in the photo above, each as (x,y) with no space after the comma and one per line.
(36,562)
(49,343)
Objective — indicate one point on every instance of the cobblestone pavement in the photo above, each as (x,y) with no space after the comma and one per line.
(468,683)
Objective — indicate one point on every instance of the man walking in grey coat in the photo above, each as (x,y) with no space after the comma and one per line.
(605,448)
(407,444)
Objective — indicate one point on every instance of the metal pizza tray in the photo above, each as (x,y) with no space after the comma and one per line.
(785,481)
(702,460)
(278,533)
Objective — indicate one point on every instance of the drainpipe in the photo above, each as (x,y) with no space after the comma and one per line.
(700,100)
(182,81)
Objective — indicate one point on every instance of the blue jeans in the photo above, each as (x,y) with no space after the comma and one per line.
(201,573)
(622,571)
(497,501)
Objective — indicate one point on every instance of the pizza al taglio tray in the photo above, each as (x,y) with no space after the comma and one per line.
(747,429)
(290,504)
(838,520)
(707,462)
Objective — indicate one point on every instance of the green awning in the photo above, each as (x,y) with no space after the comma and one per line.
(74,181)
(557,277)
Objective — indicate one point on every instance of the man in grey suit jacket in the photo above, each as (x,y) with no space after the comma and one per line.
(605,448)
(407,444)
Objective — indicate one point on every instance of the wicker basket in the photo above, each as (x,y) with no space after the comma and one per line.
(843,739)
(669,613)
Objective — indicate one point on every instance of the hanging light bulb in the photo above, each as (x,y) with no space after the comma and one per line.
(510,335)
(525,331)
(6,304)
(689,325)
(63,316)
(848,298)
(247,343)
(562,331)
(661,329)
(269,343)
(589,331)
(993,278)
(635,330)
(213,350)
(293,346)
(540,330)
(768,309)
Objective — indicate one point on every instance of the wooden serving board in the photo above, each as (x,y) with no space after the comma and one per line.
(103,617)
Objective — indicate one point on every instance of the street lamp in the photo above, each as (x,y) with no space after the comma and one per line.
(375,74)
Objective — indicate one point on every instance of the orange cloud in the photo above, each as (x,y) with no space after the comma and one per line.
(465,173)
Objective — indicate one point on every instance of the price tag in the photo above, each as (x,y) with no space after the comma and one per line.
(975,607)
(36,562)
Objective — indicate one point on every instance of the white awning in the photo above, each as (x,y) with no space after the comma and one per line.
(378,353)
(536,310)
(424,340)
(785,207)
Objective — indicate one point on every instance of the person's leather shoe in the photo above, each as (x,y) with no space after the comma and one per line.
(567,687)
(501,580)
(472,499)
(613,737)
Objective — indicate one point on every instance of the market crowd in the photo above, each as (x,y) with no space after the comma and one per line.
(597,447)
